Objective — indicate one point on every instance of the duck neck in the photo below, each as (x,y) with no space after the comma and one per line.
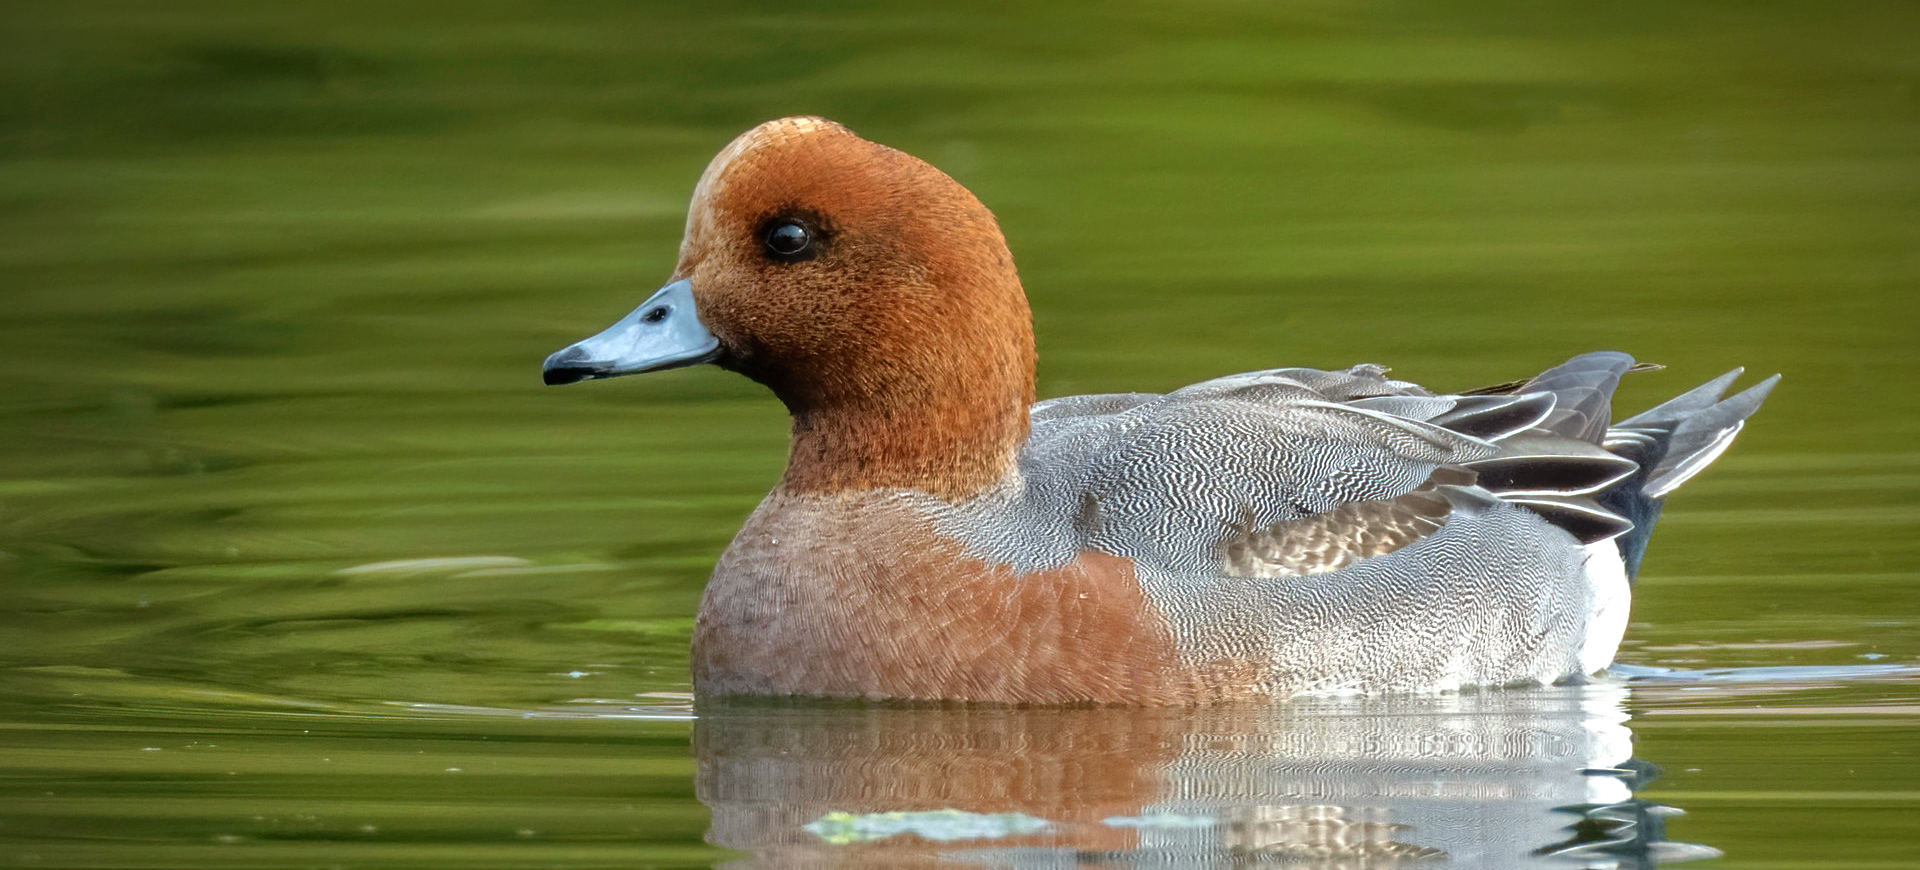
(943,417)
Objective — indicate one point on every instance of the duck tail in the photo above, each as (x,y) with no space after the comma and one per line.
(1671,443)
(1558,453)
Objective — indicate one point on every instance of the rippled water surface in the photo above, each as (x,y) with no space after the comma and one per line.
(301,567)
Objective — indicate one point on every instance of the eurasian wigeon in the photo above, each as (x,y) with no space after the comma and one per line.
(939,535)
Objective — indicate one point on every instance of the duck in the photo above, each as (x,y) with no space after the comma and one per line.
(939,535)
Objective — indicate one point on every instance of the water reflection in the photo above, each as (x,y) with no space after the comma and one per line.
(1505,779)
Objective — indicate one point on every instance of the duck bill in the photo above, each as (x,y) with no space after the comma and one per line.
(663,333)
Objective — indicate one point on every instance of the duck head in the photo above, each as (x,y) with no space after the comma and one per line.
(873,294)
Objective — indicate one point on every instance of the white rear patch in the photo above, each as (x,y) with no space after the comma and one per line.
(1610,600)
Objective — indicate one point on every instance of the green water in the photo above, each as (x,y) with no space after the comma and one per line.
(300,566)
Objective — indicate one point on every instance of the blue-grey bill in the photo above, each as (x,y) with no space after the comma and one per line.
(663,333)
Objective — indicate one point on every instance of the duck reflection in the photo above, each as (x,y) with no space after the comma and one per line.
(1541,778)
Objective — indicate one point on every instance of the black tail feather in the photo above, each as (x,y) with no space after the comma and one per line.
(1559,456)
(1672,442)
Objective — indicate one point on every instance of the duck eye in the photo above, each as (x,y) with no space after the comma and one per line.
(788,239)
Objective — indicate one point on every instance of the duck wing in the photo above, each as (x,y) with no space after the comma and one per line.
(1291,472)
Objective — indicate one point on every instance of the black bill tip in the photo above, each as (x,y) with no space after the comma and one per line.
(557,375)
(569,366)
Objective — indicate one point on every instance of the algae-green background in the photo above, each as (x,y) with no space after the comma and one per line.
(276,279)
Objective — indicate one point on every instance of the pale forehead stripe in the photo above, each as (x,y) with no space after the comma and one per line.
(713,181)
(772,133)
